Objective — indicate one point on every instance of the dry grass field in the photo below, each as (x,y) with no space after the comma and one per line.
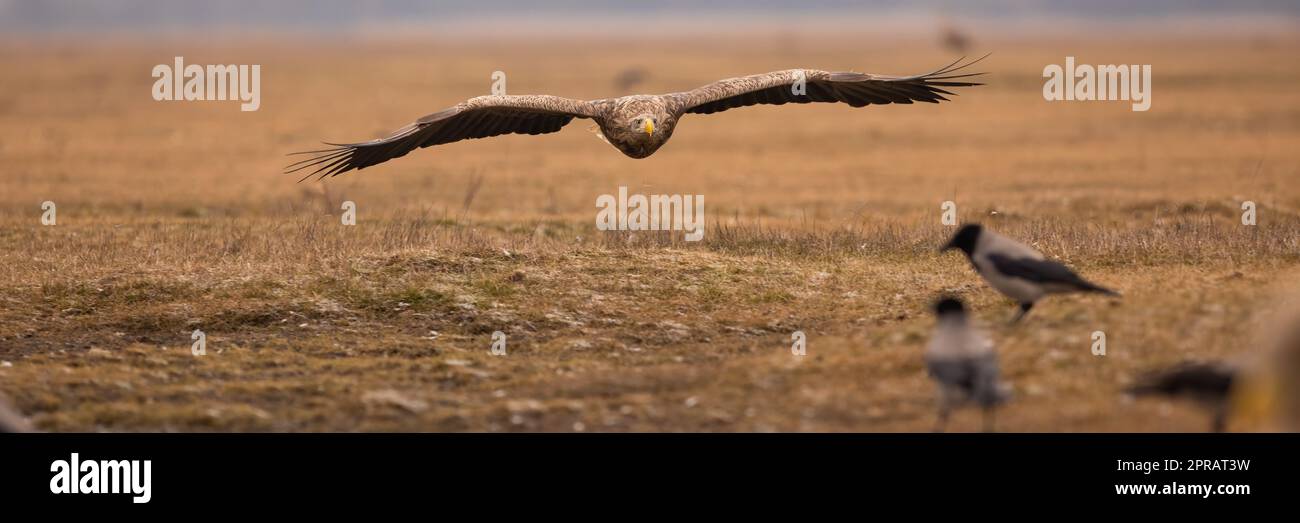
(174,217)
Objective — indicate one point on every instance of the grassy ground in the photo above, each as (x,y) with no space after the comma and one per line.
(173,217)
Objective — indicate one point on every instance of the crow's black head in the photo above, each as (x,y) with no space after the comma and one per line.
(949,305)
(965,238)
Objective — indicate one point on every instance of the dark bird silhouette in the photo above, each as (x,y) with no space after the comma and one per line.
(954,39)
(1206,384)
(629,78)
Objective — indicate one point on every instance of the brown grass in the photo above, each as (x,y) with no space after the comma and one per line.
(173,217)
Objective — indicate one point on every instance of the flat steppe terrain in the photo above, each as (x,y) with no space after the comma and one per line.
(173,217)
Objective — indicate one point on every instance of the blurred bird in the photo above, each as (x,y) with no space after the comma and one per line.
(1268,397)
(1286,382)
(1262,393)
(628,78)
(1016,269)
(953,38)
(11,421)
(961,360)
(1206,384)
(636,125)
(951,35)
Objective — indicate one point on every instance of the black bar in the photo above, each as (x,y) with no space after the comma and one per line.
(395,470)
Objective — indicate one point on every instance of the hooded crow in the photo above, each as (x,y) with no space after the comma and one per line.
(961,360)
(1016,269)
(1209,385)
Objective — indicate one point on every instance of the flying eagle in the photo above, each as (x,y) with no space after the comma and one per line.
(636,125)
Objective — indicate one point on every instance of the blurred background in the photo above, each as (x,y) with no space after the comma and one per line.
(335,15)
(349,71)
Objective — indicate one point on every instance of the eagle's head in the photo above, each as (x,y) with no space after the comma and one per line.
(639,136)
(644,123)
(647,132)
(639,125)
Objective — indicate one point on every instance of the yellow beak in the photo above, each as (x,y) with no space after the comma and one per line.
(649,128)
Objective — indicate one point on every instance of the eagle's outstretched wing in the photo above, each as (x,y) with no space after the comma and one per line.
(479,117)
(803,86)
